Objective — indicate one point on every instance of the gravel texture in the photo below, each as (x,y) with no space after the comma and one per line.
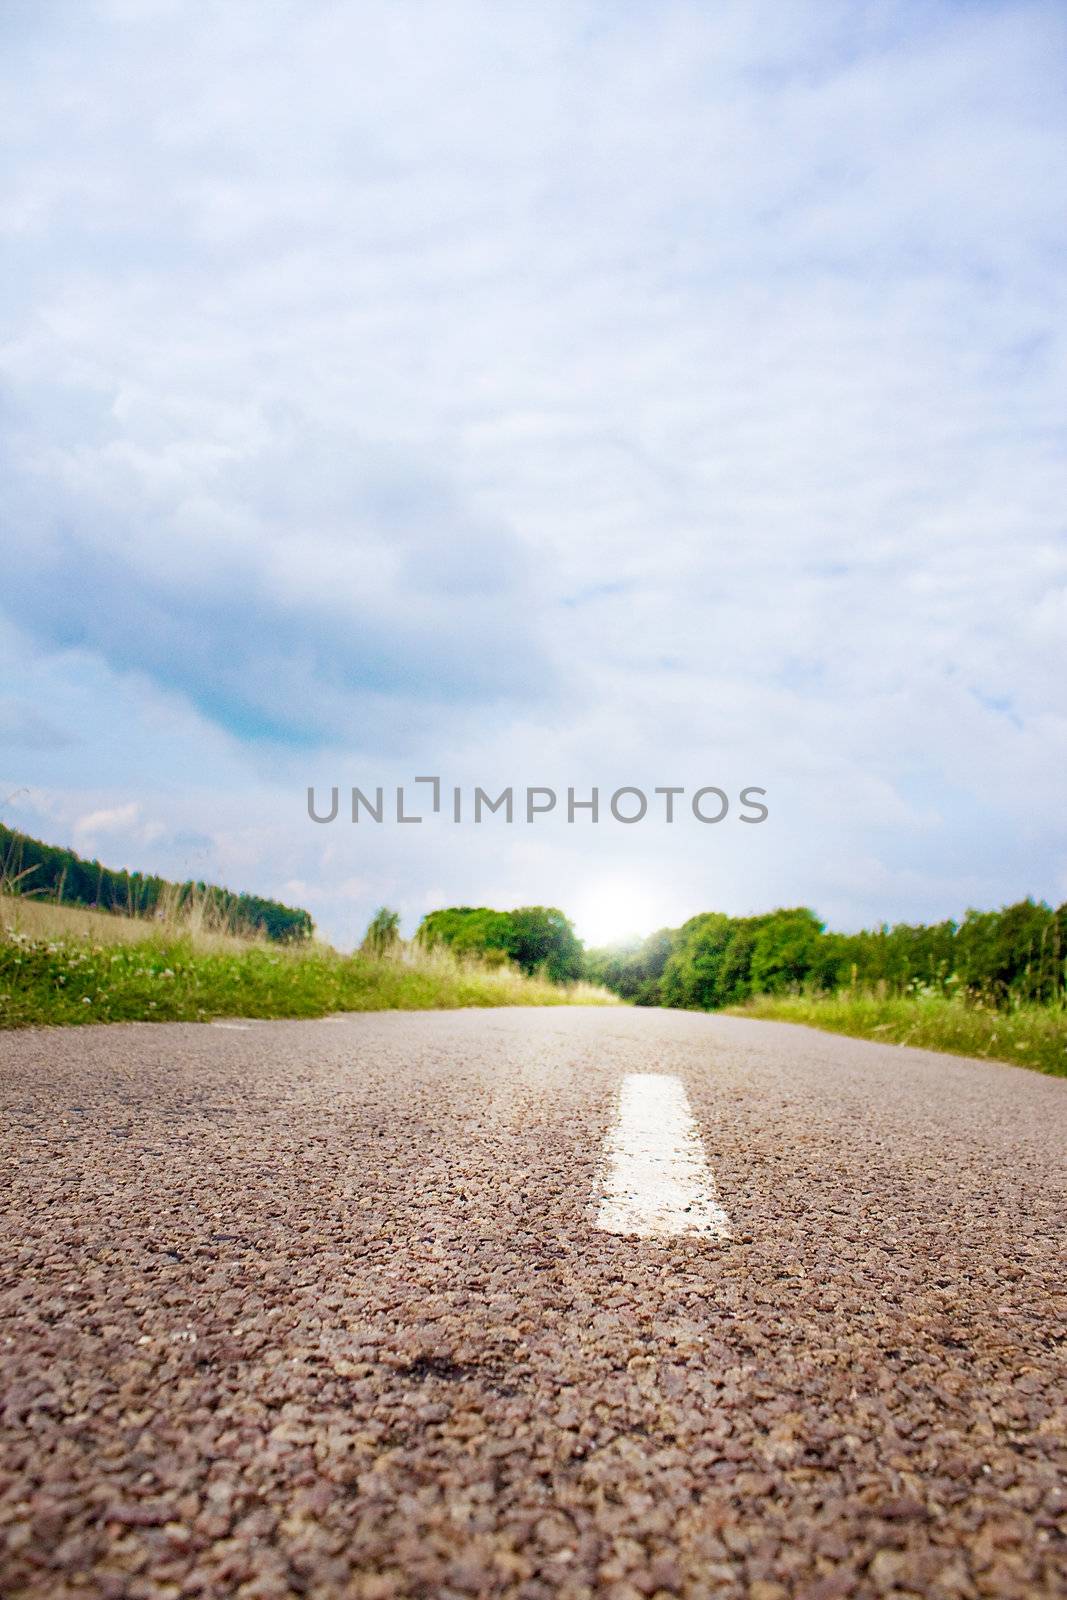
(318,1308)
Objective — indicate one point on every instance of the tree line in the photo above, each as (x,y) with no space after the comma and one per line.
(1002,957)
(45,871)
(534,938)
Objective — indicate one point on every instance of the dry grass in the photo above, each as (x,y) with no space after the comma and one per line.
(45,920)
(493,976)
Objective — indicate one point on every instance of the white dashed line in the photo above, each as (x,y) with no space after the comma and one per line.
(658,1183)
(239,1027)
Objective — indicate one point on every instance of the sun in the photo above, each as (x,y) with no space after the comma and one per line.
(612,912)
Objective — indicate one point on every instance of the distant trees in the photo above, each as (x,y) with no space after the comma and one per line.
(1020,950)
(785,951)
(634,971)
(719,960)
(468,930)
(1018,953)
(541,938)
(383,932)
(27,866)
(535,938)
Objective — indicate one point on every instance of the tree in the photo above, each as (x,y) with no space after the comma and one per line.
(786,950)
(29,867)
(542,937)
(383,932)
(535,938)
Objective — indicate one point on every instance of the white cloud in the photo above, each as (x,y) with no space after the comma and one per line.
(109,819)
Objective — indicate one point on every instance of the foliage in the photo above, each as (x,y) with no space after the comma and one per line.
(468,930)
(535,938)
(383,932)
(1000,958)
(634,971)
(29,867)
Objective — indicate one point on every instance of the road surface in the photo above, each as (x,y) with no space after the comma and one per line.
(336,1308)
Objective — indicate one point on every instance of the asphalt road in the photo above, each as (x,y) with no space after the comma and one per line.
(328,1308)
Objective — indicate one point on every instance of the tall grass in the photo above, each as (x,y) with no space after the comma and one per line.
(197,918)
(1028,1034)
(151,974)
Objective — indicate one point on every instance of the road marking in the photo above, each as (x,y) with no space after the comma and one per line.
(239,1027)
(658,1182)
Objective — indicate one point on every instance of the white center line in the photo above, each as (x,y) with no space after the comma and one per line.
(657,1182)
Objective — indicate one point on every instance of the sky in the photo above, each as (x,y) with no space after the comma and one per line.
(578,394)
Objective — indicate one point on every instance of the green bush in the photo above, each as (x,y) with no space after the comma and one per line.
(535,938)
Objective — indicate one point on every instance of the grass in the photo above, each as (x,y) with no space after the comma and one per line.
(1027,1035)
(41,919)
(59,965)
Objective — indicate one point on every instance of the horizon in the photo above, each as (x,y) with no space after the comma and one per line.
(605,914)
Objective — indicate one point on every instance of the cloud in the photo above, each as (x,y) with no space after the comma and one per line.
(345,582)
(108,819)
(561,391)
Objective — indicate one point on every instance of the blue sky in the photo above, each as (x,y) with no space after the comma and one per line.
(563,394)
